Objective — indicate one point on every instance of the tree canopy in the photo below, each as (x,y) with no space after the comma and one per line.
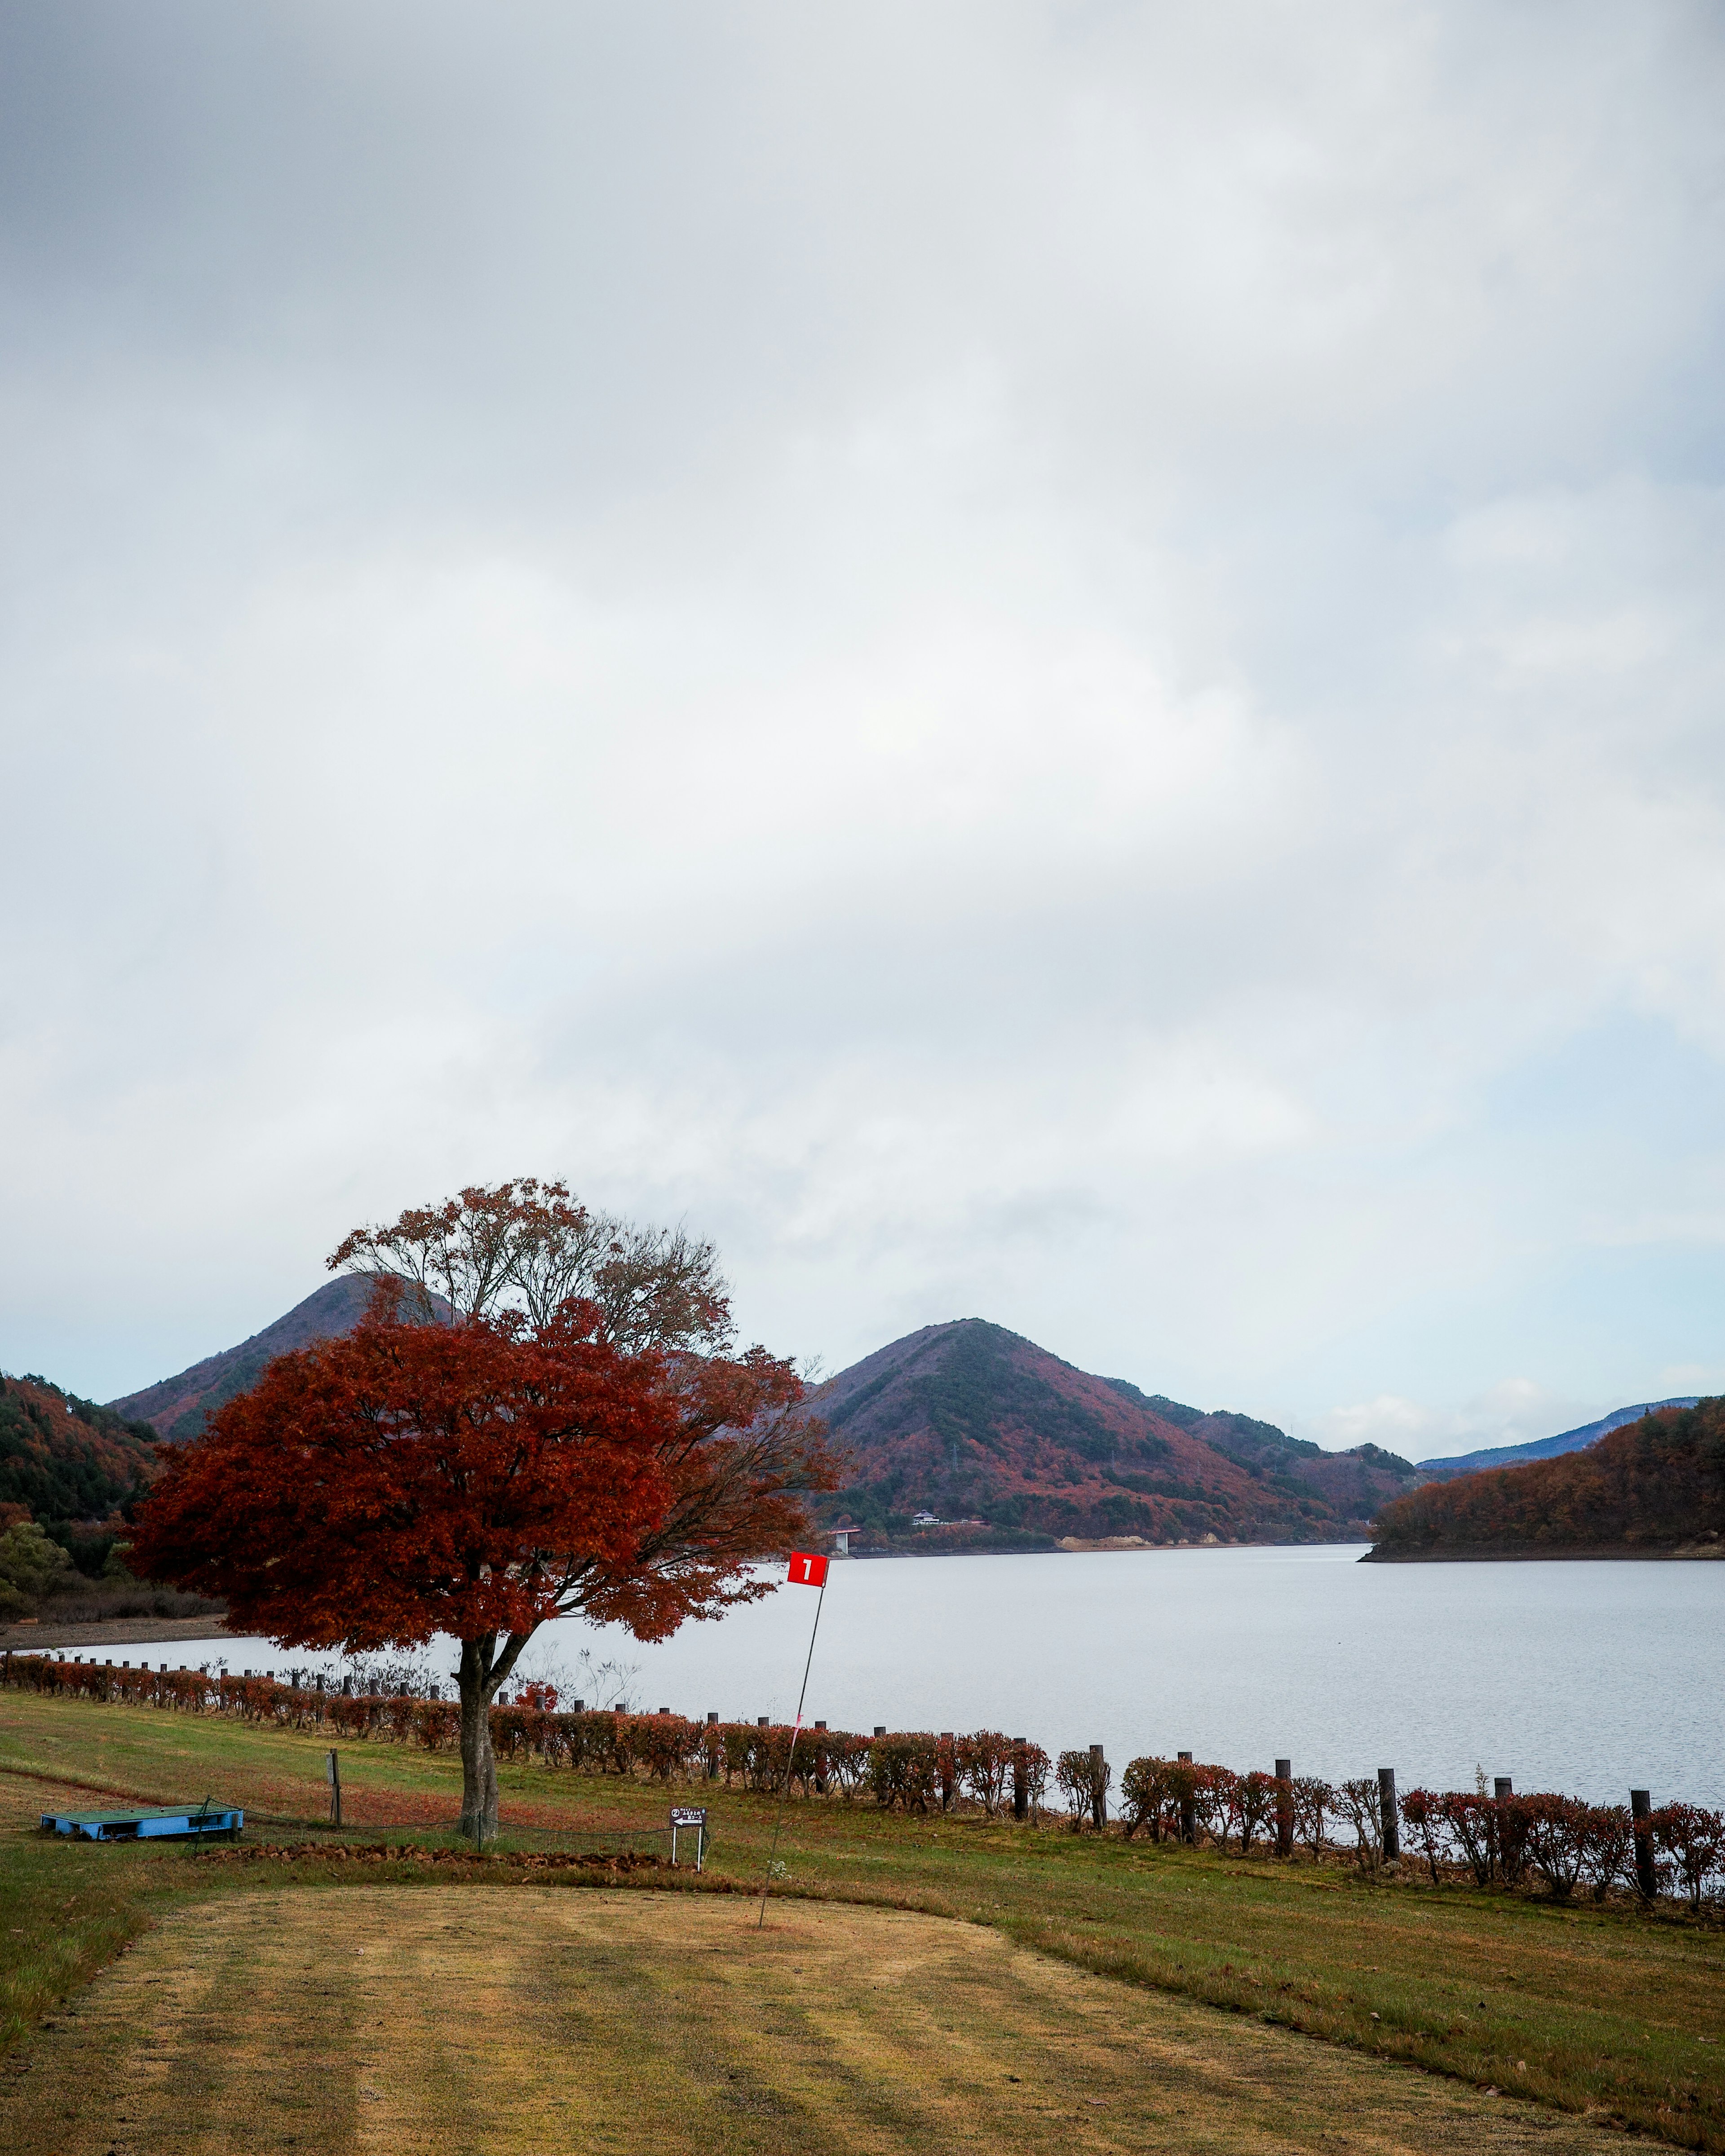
(531,1246)
(470,1461)
(403,1479)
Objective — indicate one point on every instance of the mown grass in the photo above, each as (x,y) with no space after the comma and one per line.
(1606,2013)
(531,2019)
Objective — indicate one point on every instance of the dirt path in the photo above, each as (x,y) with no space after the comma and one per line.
(47,1635)
(528,2020)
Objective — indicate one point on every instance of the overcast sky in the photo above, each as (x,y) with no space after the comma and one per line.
(1061,663)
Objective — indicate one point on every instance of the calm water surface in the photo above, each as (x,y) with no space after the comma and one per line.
(1581,1677)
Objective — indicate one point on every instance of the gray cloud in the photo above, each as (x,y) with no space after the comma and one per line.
(1057,661)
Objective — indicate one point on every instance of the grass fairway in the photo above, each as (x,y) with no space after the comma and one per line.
(524,2019)
(1605,2016)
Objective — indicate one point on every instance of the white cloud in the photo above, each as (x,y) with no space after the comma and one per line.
(1047,662)
(1514,1412)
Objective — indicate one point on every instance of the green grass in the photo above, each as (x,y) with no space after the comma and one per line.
(1605,2013)
(60,1923)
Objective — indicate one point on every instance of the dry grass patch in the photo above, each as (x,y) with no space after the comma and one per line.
(524,2019)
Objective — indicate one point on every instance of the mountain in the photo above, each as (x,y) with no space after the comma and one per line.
(1542,1448)
(1649,1488)
(1351,1484)
(62,1458)
(176,1407)
(1015,1446)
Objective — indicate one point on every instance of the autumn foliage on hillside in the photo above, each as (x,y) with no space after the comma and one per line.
(62,1458)
(1653,1486)
(981,1425)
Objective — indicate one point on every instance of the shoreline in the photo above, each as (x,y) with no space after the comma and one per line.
(1108,1545)
(1471,1554)
(111,1632)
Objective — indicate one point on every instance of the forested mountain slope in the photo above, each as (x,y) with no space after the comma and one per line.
(1648,1489)
(62,1458)
(976,1424)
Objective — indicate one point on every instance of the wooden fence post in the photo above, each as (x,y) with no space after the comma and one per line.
(1646,1876)
(1387,1815)
(1284,1807)
(1098,1788)
(1509,1830)
(1020,1780)
(1188,1810)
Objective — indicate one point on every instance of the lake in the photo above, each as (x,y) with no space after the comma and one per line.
(1587,1677)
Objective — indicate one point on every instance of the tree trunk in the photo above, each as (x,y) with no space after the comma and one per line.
(482,1670)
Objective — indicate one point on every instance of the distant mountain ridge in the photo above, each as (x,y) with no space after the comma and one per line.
(978,1423)
(178,1407)
(982,1426)
(1544,1448)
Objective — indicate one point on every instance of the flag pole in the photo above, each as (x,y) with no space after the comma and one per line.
(784,1793)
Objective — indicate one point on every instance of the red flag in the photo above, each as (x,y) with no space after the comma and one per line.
(807,1570)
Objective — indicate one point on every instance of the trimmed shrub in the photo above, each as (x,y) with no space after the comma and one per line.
(1474,1822)
(985,1765)
(1359,1804)
(1085,1780)
(903,1770)
(1314,1800)
(1148,1796)
(1551,1833)
(1694,1838)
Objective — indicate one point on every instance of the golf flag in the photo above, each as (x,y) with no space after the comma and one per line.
(806,1570)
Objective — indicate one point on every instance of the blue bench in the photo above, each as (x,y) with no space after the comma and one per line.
(146,1824)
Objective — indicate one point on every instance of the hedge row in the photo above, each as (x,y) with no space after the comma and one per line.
(1557,1842)
(910,1772)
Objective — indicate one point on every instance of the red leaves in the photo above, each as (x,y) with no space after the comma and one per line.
(1652,1484)
(476,1479)
(410,1479)
(1694,1839)
(742,1457)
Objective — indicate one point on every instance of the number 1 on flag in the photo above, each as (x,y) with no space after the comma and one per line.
(807,1570)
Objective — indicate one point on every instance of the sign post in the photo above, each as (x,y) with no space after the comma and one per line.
(805,1570)
(687,1815)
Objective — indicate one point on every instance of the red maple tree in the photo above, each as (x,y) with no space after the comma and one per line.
(479,1473)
